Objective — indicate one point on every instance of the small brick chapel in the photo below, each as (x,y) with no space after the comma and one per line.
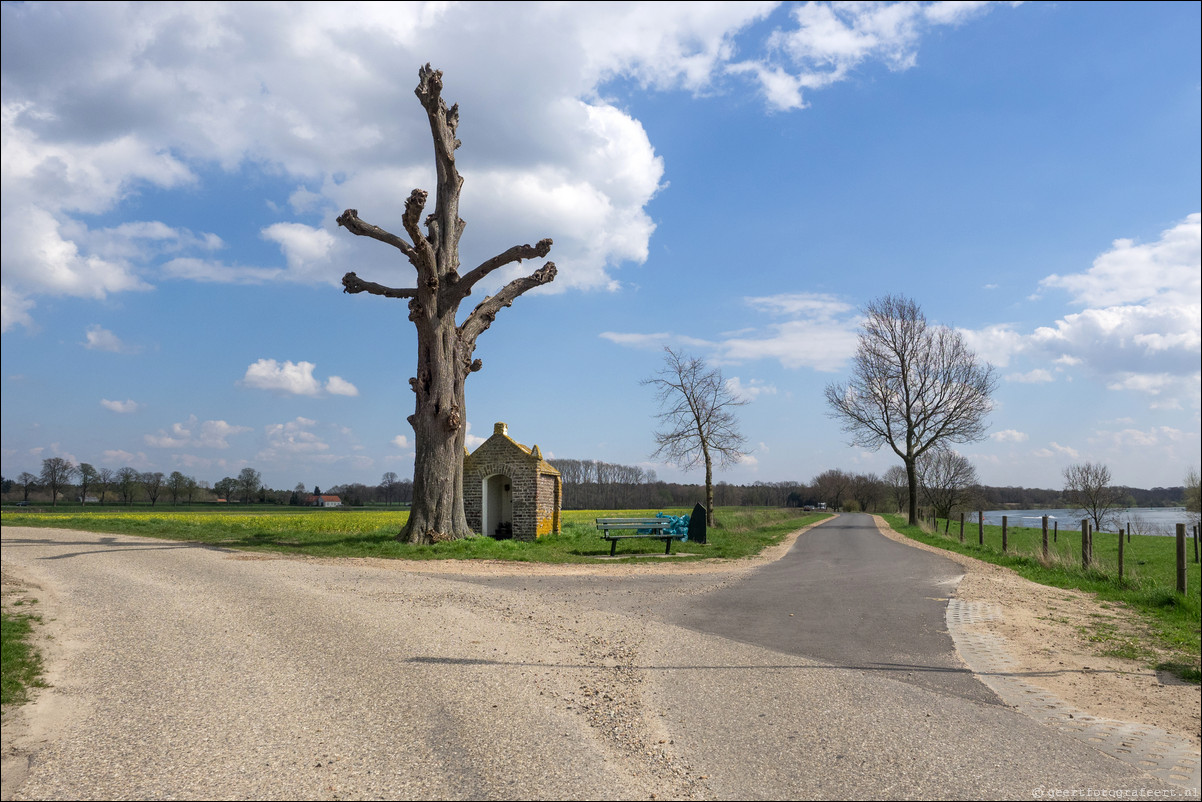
(509,490)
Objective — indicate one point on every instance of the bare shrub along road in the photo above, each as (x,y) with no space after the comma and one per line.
(182,671)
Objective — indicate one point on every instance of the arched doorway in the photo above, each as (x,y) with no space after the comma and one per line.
(497,509)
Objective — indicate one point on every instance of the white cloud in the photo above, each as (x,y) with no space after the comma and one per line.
(336,385)
(294,378)
(400,441)
(112,99)
(829,41)
(1037,376)
(101,339)
(119,458)
(821,334)
(1167,270)
(1056,450)
(121,407)
(471,441)
(1009,436)
(196,434)
(293,438)
(750,391)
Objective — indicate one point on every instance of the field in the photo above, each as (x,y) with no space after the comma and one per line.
(738,532)
(1147,588)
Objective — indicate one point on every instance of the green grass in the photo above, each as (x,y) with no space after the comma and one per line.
(738,532)
(20,663)
(1147,588)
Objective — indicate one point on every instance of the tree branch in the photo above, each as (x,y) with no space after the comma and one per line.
(352,284)
(486,311)
(351,222)
(515,254)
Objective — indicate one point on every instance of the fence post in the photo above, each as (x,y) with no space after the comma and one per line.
(1005,528)
(981,527)
(1120,556)
(1045,537)
(1084,543)
(1181,558)
(1195,543)
(1056,531)
(1195,536)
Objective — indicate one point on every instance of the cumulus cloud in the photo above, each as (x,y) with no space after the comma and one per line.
(750,391)
(1037,376)
(1140,328)
(1009,436)
(112,100)
(194,433)
(121,407)
(400,441)
(294,438)
(98,338)
(294,378)
(828,42)
(1056,450)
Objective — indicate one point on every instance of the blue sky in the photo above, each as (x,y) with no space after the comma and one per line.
(735,180)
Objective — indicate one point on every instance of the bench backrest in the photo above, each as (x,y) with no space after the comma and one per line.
(632,523)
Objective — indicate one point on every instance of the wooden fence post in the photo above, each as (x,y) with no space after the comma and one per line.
(1195,543)
(1195,536)
(1045,537)
(1084,543)
(1181,558)
(981,527)
(1005,530)
(1120,556)
(1056,531)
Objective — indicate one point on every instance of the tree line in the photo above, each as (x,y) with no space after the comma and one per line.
(947,484)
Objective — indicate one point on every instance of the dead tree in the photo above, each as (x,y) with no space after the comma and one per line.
(444,346)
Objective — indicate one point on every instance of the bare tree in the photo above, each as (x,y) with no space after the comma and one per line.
(57,474)
(152,483)
(899,486)
(177,485)
(948,480)
(248,483)
(832,486)
(444,346)
(697,411)
(388,483)
(913,386)
(1088,491)
(866,489)
(127,483)
(104,480)
(27,481)
(88,476)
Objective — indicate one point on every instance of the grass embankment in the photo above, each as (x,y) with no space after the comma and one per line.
(738,532)
(1148,586)
(20,663)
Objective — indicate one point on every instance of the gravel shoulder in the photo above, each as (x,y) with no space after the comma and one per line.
(1047,630)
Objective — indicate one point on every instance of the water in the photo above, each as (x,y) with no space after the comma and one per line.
(1145,520)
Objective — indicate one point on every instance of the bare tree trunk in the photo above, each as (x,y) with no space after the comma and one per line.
(444,349)
(912,476)
(709,489)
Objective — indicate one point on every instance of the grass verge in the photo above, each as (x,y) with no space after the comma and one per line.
(1147,588)
(738,532)
(20,662)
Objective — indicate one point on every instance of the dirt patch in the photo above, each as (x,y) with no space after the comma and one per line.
(1059,637)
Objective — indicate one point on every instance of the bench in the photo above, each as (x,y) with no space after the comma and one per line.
(656,525)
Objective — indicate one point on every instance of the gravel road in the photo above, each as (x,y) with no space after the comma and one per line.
(183,671)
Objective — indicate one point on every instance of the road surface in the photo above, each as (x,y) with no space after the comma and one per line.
(184,671)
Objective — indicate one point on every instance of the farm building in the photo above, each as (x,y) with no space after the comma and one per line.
(509,490)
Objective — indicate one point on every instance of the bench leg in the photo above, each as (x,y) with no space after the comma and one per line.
(613,544)
(668,542)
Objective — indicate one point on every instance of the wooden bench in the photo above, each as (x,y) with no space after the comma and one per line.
(657,525)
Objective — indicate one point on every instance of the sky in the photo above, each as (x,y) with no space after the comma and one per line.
(734,180)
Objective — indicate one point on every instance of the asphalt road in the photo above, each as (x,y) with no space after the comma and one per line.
(190,672)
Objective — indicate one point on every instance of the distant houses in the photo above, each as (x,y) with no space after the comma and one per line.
(323,501)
